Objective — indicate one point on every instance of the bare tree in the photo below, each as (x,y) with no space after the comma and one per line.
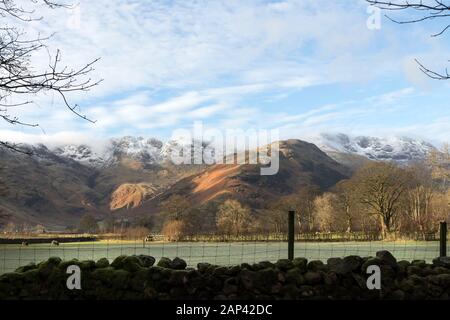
(233,218)
(275,218)
(176,207)
(324,212)
(345,201)
(174,230)
(422,11)
(304,206)
(380,187)
(439,161)
(419,198)
(20,81)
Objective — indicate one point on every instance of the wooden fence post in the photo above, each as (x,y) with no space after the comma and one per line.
(443,239)
(291,234)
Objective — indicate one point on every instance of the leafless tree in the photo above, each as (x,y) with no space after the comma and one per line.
(439,161)
(233,218)
(20,81)
(380,187)
(422,11)
(345,201)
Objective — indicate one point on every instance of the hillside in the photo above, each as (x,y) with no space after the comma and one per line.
(56,191)
(301,164)
(132,175)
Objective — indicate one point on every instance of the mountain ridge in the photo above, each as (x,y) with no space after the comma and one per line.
(57,186)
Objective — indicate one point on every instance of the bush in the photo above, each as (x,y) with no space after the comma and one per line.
(174,230)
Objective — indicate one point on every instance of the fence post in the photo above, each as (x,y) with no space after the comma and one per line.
(291,234)
(443,239)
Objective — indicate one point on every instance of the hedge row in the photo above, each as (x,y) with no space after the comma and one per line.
(137,277)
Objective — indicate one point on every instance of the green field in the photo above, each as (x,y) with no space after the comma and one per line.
(13,256)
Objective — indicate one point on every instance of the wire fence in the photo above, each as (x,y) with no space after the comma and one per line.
(220,250)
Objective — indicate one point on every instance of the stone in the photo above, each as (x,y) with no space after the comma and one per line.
(407,285)
(203,267)
(265,279)
(315,265)
(233,271)
(230,286)
(31,276)
(165,263)
(442,262)
(352,263)
(87,265)
(343,266)
(289,291)
(46,267)
(265,265)
(434,290)
(334,264)
(118,262)
(295,276)
(370,262)
(178,264)
(300,263)
(387,258)
(360,280)
(178,278)
(247,277)
(120,279)
(146,261)
(27,267)
(414,270)
(64,264)
(402,265)
(102,263)
(419,263)
(284,264)
(103,274)
(306,291)
(442,280)
(219,271)
(131,264)
(246,266)
(331,279)
(313,278)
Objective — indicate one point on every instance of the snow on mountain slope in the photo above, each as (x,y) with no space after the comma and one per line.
(398,149)
(144,150)
(81,153)
(155,151)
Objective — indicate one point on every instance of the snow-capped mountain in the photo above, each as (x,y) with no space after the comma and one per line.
(155,151)
(144,150)
(399,149)
(81,153)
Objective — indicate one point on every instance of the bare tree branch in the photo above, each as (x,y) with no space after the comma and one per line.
(430,10)
(19,80)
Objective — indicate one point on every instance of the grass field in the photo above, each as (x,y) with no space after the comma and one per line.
(13,256)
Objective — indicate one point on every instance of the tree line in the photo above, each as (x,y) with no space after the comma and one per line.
(380,197)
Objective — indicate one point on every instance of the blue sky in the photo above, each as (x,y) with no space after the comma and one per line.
(304,67)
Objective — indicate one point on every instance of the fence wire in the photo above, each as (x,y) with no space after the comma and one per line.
(216,252)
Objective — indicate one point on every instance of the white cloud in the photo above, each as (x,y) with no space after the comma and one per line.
(213,56)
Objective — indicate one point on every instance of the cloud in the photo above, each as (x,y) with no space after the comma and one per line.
(228,63)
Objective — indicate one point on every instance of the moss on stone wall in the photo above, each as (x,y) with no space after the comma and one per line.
(137,277)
